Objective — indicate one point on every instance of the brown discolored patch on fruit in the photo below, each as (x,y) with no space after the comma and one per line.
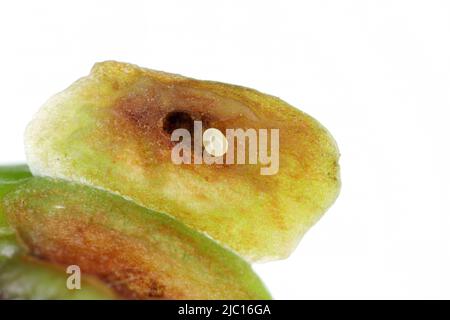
(149,113)
(122,262)
(139,253)
(156,111)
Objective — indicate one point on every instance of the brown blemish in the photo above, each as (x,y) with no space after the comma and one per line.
(142,118)
(138,257)
(123,263)
(151,114)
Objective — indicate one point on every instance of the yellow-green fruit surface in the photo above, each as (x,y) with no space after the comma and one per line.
(112,129)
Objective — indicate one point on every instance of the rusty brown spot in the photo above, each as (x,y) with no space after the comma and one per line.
(123,263)
(153,110)
(147,116)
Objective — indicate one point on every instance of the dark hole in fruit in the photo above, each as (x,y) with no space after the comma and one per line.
(178,120)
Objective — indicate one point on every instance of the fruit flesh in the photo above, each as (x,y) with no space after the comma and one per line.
(22,277)
(9,177)
(26,278)
(139,253)
(13,173)
(112,130)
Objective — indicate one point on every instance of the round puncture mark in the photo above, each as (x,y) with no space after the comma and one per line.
(178,120)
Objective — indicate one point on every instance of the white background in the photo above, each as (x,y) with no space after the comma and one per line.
(375,73)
